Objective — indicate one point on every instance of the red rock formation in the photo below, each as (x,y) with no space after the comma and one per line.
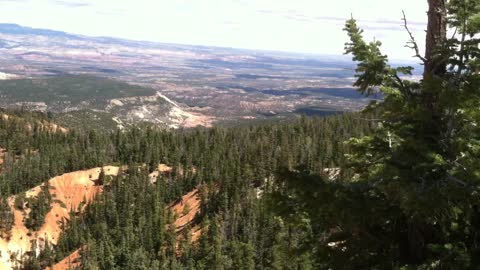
(68,191)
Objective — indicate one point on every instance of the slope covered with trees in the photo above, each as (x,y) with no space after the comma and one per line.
(232,168)
(393,188)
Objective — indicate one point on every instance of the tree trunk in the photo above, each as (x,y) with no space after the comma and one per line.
(435,66)
(436,36)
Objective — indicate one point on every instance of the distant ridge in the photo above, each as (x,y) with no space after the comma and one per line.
(15,29)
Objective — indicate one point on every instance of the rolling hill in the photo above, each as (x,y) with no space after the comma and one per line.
(82,100)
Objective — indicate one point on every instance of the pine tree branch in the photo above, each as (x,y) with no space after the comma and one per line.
(412,43)
(401,84)
(456,180)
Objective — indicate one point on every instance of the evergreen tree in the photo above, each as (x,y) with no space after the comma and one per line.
(6,216)
(413,197)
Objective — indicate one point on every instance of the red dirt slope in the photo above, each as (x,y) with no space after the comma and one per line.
(190,203)
(69,191)
(185,211)
(70,262)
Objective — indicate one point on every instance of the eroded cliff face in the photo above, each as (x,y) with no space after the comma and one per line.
(185,210)
(70,262)
(69,191)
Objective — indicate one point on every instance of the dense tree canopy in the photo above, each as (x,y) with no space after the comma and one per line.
(235,168)
(413,201)
(396,187)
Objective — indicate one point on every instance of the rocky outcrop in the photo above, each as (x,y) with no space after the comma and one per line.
(157,109)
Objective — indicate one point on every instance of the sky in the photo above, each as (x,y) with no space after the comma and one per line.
(306,26)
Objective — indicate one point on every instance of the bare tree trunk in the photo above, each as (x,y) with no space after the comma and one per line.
(436,36)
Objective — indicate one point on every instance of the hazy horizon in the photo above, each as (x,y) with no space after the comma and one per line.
(303,26)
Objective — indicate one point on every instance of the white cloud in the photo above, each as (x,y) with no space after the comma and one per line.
(72,4)
(312,26)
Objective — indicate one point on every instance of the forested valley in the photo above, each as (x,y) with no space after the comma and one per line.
(395,186)
(127,226)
